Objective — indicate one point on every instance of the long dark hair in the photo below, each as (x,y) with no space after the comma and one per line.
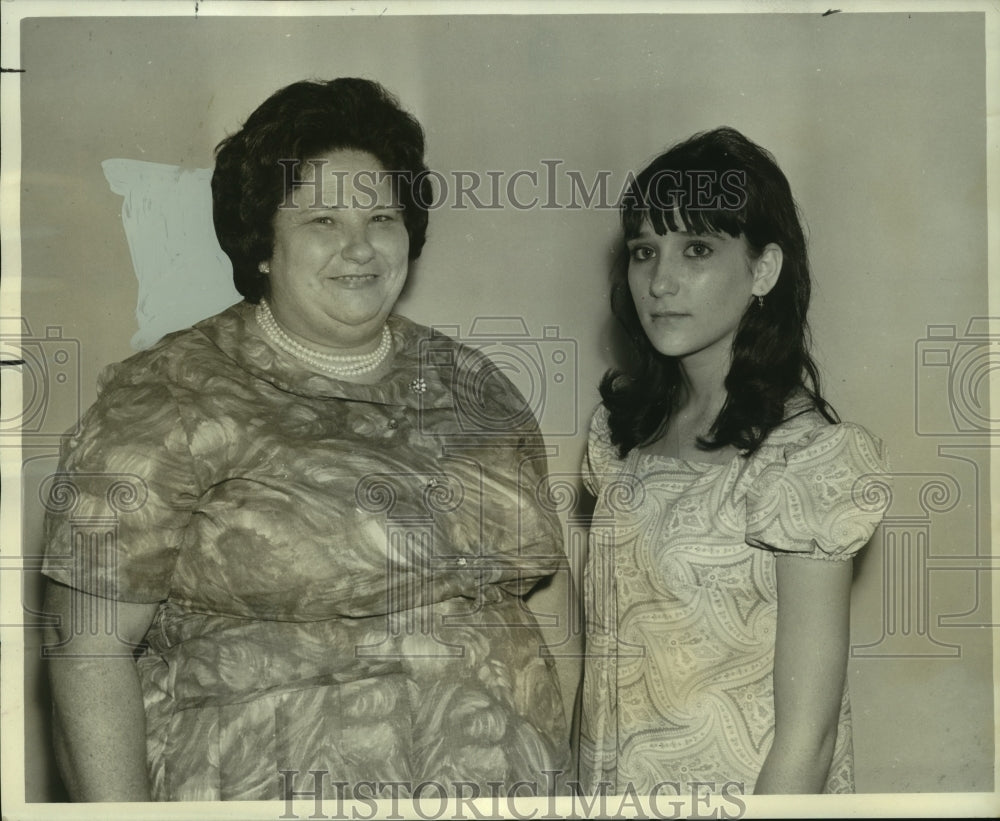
(718,181)
(301,122)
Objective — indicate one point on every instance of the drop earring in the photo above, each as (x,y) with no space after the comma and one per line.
(264,267)
(760,300)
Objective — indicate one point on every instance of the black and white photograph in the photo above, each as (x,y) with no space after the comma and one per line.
(498,410)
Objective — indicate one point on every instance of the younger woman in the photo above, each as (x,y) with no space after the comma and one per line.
(730,499)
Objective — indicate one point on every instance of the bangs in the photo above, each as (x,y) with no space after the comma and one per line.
(708,209)
(691,220)
(699,194)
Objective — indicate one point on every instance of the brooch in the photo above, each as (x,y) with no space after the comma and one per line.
(418,385)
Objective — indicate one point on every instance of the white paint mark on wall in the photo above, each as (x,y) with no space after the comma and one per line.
(183,274)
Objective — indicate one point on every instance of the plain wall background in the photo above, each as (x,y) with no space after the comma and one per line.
(878,120)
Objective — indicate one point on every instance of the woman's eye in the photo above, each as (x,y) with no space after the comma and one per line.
(697,249)
(383,217)
(323,221)
(641,253)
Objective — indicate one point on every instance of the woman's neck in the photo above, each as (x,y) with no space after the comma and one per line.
(702,387)
(699,400)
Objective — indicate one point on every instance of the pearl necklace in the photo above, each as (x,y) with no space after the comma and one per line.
(347,365)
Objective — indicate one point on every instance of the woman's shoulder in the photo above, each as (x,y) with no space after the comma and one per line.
(435,339)
(601,459)
(806,435)
(436,347)
(600,426)
(176,356)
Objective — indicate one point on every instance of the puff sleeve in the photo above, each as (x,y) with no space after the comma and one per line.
(823,497)
(118,506)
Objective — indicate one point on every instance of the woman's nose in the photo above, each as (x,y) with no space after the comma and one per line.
(663,281)
(358,248)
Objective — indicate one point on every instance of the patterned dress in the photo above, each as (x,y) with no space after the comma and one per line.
(682,601)
(340,568)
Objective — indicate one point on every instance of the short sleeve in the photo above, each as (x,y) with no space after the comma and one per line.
(117,507)
(600,454)
(822,497)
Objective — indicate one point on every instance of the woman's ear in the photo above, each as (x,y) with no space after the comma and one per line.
(766,269)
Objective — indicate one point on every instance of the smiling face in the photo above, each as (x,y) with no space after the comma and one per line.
(340,253)
(691,290)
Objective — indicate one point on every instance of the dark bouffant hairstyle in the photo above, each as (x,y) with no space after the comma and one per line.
(301,122)
(739,190)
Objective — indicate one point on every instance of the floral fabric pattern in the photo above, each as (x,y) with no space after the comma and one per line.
(681,598)
(339,567)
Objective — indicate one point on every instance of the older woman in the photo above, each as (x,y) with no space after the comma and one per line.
(334,519)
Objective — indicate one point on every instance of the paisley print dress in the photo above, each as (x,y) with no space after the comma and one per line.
(682,602)
(340,568)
